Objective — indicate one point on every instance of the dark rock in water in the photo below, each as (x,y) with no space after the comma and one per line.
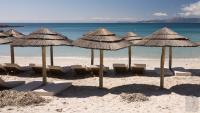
(16,98)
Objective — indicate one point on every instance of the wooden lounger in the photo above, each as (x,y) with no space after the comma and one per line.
(10,84)
(56,70)
(120,68)
(167,72)
(29,86)
(37,69)
(95,69)
(138,68)
(13,68)
(79,69)
(52,89)
(180,71)
(2,70)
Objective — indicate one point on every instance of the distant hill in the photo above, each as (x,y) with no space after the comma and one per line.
(2,25)
(174,20)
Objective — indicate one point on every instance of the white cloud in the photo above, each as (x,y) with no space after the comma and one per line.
(191,9)
(160,14)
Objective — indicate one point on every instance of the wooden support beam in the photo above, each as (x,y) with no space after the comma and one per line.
(129,58)
(12,54)
(92,57)
(44,71)
(101,70)
(51,55)
(162,63)
(170,58)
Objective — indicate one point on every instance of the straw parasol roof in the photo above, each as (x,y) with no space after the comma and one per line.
(4,38)
(88,33)
(132,37)
(101,39)
(165,37)
(8,36)
(14,33)
(43,37)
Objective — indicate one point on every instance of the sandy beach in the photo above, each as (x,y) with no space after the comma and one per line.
(100,56)
(181,93)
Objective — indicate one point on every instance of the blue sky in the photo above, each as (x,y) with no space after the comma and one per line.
(95,10)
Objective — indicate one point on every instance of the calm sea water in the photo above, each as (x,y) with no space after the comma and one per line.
(76,30)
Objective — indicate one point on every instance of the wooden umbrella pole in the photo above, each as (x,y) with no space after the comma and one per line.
(44,72)
(162,68)
(129,56)
(51,55)
(101,70)
(92,57)
(170,58)
(12,54)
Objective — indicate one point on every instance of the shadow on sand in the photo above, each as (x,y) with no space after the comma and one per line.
(4,88)
(147,73)
(65,76)
(88,91)
(83,92)
(187,89)
(195,72)
(148,90)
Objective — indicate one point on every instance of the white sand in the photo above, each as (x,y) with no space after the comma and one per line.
(85,97)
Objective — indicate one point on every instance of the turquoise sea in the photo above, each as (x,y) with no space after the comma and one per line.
(76,30)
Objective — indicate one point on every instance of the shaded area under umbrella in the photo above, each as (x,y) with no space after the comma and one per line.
(42,38)
(133,39)
(165,37)
(101,39)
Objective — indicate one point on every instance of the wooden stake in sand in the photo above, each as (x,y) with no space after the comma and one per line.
(12,54)
(129,56)
(44,72)
(92,56)
(170,58)
(51,55)
(162,68)
(101,70)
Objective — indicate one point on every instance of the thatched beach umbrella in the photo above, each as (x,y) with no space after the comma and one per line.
(165,37)
(101,39)
(14,34)
(133,38)
(92,50)
(42,38)
(7,38)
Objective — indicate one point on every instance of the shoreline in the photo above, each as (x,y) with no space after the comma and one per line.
(105,58)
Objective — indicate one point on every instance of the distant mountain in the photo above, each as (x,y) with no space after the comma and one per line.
(174,20)
(2,25)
